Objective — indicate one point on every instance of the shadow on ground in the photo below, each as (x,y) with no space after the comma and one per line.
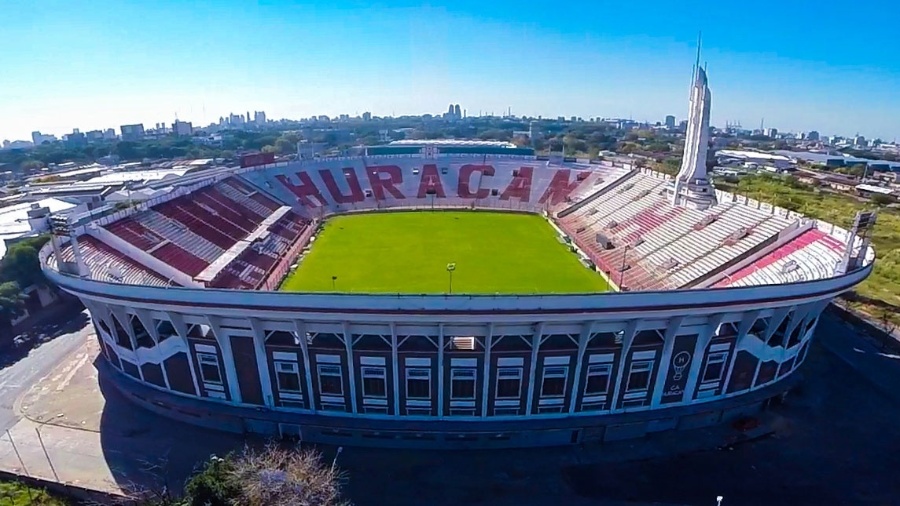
(835,442)
(64,319)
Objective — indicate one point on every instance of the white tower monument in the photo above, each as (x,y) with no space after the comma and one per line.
(691,187)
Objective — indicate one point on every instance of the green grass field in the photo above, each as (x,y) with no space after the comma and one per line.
(408,252)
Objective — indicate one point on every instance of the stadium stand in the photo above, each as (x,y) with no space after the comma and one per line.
(109,265)
(621,230)
(811,255)
(234,234)
(228,225)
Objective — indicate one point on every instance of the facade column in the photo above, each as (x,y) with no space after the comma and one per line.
(440,369)
(119,314)
(698,356)
(486,382)
(150,326)
(234,387)
(351,365)
(300,331)
(583,338)
(181,329)
(778,316)
(747,323)
(532,367)
(395,369)
(627,339)
(262,361)
(668,345)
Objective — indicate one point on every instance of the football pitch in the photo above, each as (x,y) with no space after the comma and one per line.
(409,252)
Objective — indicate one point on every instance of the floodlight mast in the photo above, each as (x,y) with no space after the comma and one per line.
(450,268)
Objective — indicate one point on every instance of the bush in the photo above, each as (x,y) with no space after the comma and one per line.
(213,485)
(273,476)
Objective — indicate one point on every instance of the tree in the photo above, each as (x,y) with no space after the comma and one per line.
(21,263)
(882,200)
(32,165)
(11,300)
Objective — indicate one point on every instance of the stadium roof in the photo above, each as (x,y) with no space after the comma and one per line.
(846,160)
(874,189)
(450,146)
(14,219)
(752,155)
(139,175)
(454,143)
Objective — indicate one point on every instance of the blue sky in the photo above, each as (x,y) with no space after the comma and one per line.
(801,65)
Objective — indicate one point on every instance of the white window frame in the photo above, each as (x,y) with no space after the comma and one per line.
(555,371)
(294,368)
(373,371)
(598,370)
(209,359)
(340,374)
(464,374)
(517,370)
(645,366)
(414,372)
(719,357)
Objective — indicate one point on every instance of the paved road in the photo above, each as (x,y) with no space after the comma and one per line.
(17,377)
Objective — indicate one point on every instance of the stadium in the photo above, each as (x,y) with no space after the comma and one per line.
(456,294)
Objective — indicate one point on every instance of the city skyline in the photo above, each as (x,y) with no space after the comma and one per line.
(200,63)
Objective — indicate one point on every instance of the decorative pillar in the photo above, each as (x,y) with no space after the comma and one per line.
(532,367)
(627,339)
(181,329)
(395,369)
(746,323)
(440,374)
(351,365)
(778,316)
(486,382)
(234,388)
(583,339)
(300,331)
(665,359)
(262,361)
(150,326)
(698,356)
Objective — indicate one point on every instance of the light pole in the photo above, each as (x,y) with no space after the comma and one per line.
(333,280)
(622,272)
(450,268)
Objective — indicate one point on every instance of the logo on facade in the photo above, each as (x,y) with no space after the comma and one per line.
(680,362)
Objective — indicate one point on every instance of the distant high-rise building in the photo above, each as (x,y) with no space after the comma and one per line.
(691,187)
(860,141)
(94,136)
(236,121)
(771,133)
(670,122)
(109,134)
(456,112)
(183,128)
(812,136)
(38,138)
(367,116)
(132,132)
(259,117)
(76,139)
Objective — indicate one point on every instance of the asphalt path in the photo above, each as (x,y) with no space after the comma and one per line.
(34,359)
